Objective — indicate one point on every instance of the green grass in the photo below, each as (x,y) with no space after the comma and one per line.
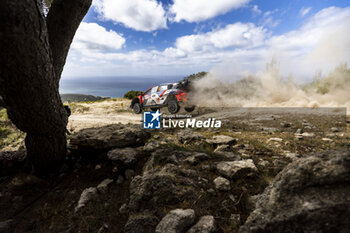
(9,134)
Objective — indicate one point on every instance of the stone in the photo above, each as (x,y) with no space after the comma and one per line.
(123,209)
(327,140)
(5,226)
(311,194)
(334,129)
(110,136)
(292,156)
(129,173)
(275,140)
(269,130)
(196,158)
(206,224)
(141,223)
(223,148)
(120,180)
(211,192)
(87,195)
(236,169)
(306,134)
(176,221)
(229,155)
(222,139)
(151,146)
(286,124)
(104,185)
(279,163)
(188,135)
(299,131)
(126,156)
(222,184)
(235,218)
(264,163)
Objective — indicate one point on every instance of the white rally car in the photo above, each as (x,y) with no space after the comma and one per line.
(170,95)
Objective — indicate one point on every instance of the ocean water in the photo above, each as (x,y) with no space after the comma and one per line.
(112,86)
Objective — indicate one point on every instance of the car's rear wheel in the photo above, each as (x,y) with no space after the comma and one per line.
(154,109)
(190,109)
(137,108)
(173,106)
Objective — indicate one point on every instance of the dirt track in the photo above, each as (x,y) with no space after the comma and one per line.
(96,114)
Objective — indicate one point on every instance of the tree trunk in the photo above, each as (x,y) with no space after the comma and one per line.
(29,82)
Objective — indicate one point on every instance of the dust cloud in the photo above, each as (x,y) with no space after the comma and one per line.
(292,78)
(270,89)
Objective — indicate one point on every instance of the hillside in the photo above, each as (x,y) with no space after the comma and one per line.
(120,178)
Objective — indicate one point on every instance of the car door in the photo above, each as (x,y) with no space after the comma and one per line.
(162,94)
(154,96)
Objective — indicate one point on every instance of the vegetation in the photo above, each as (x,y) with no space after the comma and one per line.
(196,76)
(336,80)
(132,94)
(10,136)
(81,98)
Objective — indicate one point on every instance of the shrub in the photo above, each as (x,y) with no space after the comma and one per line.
(132,94)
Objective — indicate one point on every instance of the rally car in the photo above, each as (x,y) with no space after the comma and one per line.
(171,95)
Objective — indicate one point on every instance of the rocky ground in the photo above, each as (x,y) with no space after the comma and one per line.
(267,173)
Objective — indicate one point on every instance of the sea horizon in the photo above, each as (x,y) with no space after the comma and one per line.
(112,86)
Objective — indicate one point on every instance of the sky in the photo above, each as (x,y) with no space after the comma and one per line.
(233,37)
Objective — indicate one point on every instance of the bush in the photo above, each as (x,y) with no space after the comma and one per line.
(132,94)
(196,76)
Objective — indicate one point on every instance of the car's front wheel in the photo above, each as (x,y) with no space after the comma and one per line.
(173,106)
(137,108)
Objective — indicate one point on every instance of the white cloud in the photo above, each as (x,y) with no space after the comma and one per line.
(200,10)
(304,11)
(256,11)
(92,36)
(236,35)
(268,19)
(322,42)
(141,15)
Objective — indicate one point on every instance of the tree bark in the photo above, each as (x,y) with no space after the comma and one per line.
(63,20)
(29,78)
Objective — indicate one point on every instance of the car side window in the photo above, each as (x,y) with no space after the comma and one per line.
(163,88)
(154,89)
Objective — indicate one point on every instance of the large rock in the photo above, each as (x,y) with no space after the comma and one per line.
(110,136)
(206,224)
(311,194)
(126,156)
(237,169)
(166,186)
(176,221)
(157,189)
